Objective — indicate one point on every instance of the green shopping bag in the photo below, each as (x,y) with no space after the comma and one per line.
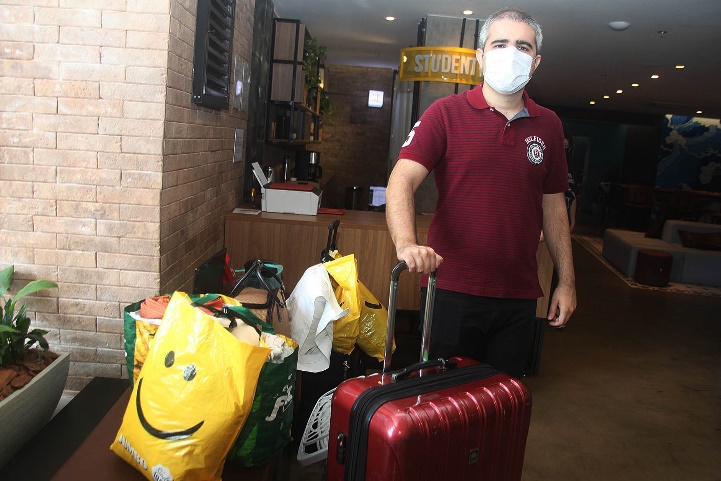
(267,430)
(129,336)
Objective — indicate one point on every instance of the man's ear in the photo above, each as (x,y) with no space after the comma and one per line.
(479,57)
(536,63)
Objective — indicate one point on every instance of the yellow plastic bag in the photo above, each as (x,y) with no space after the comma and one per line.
(145,330)
(372,324)
(344,272)
(192,397)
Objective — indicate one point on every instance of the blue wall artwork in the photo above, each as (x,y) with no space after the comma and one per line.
(690,154)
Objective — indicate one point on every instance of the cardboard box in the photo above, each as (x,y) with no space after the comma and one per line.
(288,197)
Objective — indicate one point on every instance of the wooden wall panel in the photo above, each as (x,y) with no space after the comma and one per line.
(296,242)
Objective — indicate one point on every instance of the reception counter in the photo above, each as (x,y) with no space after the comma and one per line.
(296,242)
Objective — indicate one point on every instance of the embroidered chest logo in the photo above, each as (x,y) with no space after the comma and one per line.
(534,149)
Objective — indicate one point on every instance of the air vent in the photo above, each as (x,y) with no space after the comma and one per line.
(213,49)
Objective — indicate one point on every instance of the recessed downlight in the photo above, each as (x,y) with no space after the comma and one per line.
(699,111)
(390,19)
(467,12)
(634,85)
(619,25)
(592,102)
(606,96)
(619,91)
(654,76)
(680,66)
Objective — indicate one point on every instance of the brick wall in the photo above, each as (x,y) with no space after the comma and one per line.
(112,183)
(200,182)
(354,147)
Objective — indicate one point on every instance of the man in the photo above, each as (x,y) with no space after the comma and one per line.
(501,172)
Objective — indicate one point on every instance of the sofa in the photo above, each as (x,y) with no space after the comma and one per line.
(699,265)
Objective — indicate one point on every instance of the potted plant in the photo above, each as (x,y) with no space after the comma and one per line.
(31,379)
(316,98)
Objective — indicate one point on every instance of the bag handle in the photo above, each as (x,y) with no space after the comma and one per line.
(244,314)
(235,313)
(407,371)
(330,245)
(262,272)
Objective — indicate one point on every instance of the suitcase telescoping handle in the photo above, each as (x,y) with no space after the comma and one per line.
(391,325)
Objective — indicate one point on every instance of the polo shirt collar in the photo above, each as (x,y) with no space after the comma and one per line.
(476,99)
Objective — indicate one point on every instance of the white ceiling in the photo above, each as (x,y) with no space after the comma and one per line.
(582,58)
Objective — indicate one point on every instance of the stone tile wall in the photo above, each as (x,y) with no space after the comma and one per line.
(112,183)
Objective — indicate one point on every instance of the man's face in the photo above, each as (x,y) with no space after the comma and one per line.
(507,33)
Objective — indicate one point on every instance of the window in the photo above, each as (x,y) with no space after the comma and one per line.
(213,48)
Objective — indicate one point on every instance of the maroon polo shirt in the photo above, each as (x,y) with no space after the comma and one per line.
(491,175)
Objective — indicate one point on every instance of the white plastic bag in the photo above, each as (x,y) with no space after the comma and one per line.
(313,308)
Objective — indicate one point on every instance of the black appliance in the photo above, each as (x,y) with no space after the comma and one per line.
(307,166)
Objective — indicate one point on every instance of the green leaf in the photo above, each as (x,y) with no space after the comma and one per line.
(7,329)
(37,337)
(22,324)
(6,278)
(14,326)
(35,286)
(7,317)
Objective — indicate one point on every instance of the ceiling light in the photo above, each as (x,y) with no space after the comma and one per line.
(619,91)
(606,96)
(680,66)
(699,111)
(619,25)
(592,102)
(467,12)
(390,19)
(634,85)
(654,76)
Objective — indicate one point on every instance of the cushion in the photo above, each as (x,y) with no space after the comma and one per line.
(671,228)
(709,241)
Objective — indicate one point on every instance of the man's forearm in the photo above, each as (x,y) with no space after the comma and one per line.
(558,239)
(401,217)
(401,212)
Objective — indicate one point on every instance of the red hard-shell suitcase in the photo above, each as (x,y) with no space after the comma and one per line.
(435,420)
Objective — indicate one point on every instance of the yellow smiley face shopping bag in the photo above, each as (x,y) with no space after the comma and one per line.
(193,395)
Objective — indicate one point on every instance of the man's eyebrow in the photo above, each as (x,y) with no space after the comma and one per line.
(505,41)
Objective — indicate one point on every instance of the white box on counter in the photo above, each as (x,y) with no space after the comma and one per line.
(288,197)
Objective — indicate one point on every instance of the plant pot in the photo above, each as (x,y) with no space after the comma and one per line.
(26,411)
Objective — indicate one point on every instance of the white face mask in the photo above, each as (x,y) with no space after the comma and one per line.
(508,70)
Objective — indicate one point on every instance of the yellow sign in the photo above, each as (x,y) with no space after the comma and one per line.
(440,64)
